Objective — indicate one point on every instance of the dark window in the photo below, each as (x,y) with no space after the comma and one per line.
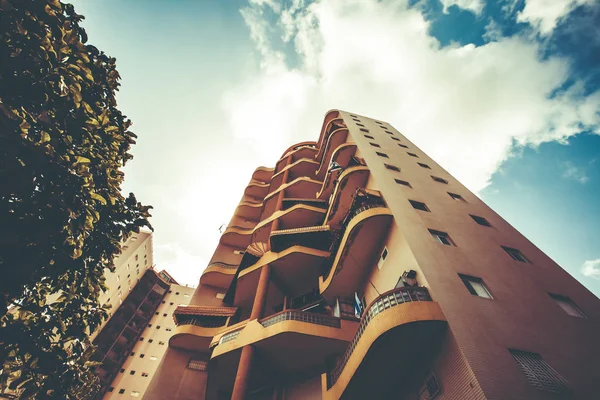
(457,197)
(403,146)
(145,374)
(141,339)
(158,327)
(389,133)
(384,127)
(424,165)
(392,167)
(567,305)
(380,123)
(360,124)
(433,387)
(476,286)
(150,340)
(170,291)
(197,365)
(121,391)
(142,355)
(150,325)
(165,314)
(171,303)
(110,389)
(132,372)
(156,313)
(412,154)
(364,129)
(515,254)
(132,353)
(382,154)
(374,144)
(369,137)
(395,138)
(539,373)
(438,179)
(354,116)
(161,343)
(442,237)
(480,220)
(401,182)
(122,370)
(418,205)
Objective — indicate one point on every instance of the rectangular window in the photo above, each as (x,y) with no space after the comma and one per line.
(480,220)
(457,197)
(438,179)
(412,154)
(515,254)
(395,138)
(476,286)
(539,373)
(389,133)
(132,372)
(392,167)
(110,389)
(369,137)
(142,355)
(384,255)
(441,237)
(121,391)
(567,305)
(145,374)
(382,154)
(417,205)
(379,122)
(360,124)
(424,166)
(197,365)
(220,295)
(150,340)
(401,182)
(403,146)
(374,145)
(364,130)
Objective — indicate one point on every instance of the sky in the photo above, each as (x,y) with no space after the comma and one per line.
(504,94)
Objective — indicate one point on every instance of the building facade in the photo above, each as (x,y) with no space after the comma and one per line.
(359,268)
(131,343)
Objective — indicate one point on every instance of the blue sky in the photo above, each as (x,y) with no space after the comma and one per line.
(504,94)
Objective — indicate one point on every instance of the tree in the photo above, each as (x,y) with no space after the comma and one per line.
(63,143)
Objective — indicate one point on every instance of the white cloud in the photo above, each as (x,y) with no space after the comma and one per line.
(575,173)
(591,268)
(463,105)
(476,6)
(544,15)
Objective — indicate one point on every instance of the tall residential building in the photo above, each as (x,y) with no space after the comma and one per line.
(133,340)
(358,268)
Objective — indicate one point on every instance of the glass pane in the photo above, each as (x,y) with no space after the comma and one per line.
(480,289)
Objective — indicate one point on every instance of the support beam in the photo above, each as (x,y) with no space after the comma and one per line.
(261,293)
(242,377)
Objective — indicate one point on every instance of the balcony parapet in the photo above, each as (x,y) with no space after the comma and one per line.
(302,316)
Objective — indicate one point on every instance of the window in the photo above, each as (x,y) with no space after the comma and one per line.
(401,182)
(154,358)
(364,130)
(378,122)
(538,372)
(142,355)
(442,237)
(145,374)
(239,252)
(132,372)
(110,389)
(150,325)
(438,179)
(353,116)
(392,167)
(165,314)
(158,327)
(480,220)
(161,343)
(374,145)
(141,339)
(135,394)
(389,133)
(384,255)
(360,124)
(150,340)
(424,166)
(369,137)
(458,197)
(430,389)
(220,295)
(515,254)
(121,391)
(168,329)
(417,205)
(122,370)
(412,154)
(567,305)
(384,128)
(197,365)
(132,353)
(171,303)
(475,286)
(382,154)
(395,138)
(403,146)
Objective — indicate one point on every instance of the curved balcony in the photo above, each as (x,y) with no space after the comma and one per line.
(343,157)
(329,116)
(366,228)
(297,216)
(338,128)
(257,189)
(305,166)
(291,342)
(263,174)
(237,236)
(301,188)
(197,325)
(393,345)
(218,274)
(249,210)
(335,140)
(349,182)
(296,268)
(295,147)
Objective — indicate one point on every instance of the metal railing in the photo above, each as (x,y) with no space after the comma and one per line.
(294,315)
(202,322)
(223,265)
(230,336)
(385,301)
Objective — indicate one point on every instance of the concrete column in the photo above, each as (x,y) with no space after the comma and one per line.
(242,377)
(261,293)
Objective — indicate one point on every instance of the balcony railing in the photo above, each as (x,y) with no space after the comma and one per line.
(230,336)
(293,315)
(214,322)
(387,300)
(223,265)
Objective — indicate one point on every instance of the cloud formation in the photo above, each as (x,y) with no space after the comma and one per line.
(544,15)
(463,105)
(575,173)
(591,268)
(476,6)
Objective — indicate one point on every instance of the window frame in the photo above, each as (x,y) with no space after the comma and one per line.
(469,280)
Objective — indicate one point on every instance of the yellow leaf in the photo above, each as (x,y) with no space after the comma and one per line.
(45,137)
(96,196)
